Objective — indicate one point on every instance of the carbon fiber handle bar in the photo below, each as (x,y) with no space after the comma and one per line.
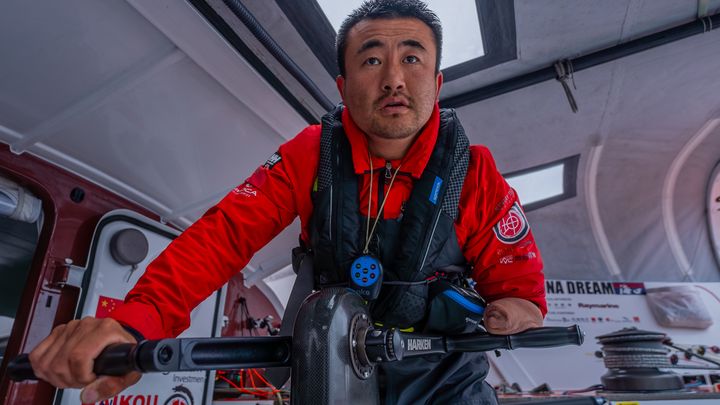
(274,351)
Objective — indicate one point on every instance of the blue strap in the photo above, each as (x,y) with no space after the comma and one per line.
(464,302)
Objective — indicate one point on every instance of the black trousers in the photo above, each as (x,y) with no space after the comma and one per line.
(455,378)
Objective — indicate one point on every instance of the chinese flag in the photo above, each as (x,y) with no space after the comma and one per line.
(106,305)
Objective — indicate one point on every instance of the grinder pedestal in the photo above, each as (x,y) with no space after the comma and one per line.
(322,368)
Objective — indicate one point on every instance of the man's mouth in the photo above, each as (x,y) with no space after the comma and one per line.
(394,105)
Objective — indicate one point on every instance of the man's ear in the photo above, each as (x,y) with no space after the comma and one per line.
(439,82)
(340,83)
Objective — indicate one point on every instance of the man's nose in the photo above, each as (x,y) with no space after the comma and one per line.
(393,79)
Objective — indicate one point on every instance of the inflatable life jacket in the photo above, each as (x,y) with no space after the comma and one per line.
(412,248)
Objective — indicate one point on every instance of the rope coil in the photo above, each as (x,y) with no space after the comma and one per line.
(634,359)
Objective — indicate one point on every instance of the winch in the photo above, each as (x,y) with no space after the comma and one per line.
(333,351)
(634,359)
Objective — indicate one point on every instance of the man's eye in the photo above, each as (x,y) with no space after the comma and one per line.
(411,59)
(372,61)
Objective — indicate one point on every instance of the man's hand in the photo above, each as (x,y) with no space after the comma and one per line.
(65,358)
(511,315)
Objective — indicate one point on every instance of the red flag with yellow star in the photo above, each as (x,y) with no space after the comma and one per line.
(106,306)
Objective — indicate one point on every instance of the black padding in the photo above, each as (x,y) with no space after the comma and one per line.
(129,246)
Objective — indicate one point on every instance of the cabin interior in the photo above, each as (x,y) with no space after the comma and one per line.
(604,116)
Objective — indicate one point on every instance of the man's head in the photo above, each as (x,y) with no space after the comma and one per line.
(387,9)
(389,57)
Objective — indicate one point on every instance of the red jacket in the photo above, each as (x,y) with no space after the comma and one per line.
(491,229)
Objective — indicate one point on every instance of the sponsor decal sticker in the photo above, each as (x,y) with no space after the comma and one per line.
(142,399)
(272,160)
(106,306)
(629,288)
(180,395)
(580,287)
(512,227)
(591,306)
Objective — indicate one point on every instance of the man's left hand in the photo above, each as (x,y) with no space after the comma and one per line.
(511,315)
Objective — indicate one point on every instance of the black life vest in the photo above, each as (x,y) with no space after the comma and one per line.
(413,247)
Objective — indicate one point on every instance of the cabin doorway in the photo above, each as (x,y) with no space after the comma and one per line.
(20,225)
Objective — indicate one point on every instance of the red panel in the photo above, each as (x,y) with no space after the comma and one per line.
(257,304)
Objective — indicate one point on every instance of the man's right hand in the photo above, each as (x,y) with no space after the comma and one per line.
(65,358)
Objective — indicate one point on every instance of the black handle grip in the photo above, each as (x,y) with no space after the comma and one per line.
(548,337)
(117,359)
(538,337)
(19,369)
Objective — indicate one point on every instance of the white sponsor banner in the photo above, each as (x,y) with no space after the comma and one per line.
(598,307)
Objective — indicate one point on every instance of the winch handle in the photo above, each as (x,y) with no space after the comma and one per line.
(117,360)
(532,338)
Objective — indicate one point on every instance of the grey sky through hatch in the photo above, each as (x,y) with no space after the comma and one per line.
(462,39)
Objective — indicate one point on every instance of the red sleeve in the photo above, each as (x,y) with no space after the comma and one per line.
(498,241)
(222,242)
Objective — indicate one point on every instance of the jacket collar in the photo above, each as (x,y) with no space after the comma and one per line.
(414,161)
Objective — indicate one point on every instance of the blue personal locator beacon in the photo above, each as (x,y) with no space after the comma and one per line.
(366,276)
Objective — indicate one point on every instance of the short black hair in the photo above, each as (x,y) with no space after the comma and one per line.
(376,9)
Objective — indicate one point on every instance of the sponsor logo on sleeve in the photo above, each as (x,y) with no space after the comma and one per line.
(510,259)
(272,160)
(504,202)
(245,189)
(513,227)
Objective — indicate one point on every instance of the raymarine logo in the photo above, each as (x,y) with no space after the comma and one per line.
(418,344)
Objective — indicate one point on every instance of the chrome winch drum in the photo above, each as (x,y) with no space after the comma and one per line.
(634,359)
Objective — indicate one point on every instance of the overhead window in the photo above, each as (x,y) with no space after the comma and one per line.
(476,34)
(545,184)
(462,40)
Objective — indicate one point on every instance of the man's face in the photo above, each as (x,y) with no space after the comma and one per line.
(390,86)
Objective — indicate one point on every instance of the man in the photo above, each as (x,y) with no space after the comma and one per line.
(391,135)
